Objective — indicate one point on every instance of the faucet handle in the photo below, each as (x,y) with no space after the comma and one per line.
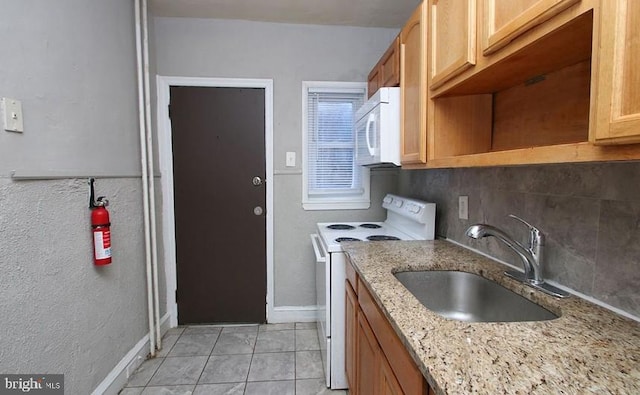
(535,235)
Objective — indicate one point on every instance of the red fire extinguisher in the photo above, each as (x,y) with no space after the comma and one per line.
(101,229)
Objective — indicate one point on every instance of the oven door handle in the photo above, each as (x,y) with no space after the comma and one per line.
(318,248)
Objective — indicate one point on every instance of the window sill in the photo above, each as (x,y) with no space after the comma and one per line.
(350,205)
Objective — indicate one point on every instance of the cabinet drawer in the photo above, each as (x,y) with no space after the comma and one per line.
(352,276)
(408,374)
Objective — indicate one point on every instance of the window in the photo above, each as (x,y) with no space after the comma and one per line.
(331,178)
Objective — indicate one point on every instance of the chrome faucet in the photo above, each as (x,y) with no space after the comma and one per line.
(532,256)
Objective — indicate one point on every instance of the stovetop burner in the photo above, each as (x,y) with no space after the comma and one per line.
(340,227)
(371,226)
(341,239)
(382,238)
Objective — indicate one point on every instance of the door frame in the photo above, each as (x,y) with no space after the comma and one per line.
(165,151)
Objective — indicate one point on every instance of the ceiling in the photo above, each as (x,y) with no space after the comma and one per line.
(366,13)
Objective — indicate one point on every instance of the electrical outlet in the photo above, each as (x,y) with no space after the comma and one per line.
(463,207)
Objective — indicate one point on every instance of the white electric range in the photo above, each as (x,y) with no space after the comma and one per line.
(407,219)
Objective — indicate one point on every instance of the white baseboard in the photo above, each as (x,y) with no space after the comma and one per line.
(285,314)
(117,378)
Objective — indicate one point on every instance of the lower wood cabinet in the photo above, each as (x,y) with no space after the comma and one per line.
(376,360)
(367,359)
(389,384)
(351,325)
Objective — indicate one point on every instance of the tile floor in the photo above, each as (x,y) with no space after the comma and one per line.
(278,359)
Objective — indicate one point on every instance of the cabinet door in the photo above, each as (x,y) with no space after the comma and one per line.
(389,384)
(390,65)
(618,77)
(368,359)
(413,95)
(453,39)
(504,20)
(373,81)
(351,328)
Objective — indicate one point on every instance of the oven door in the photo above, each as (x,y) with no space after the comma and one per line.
(323,301)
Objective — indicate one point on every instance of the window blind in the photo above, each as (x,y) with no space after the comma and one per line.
(330,142)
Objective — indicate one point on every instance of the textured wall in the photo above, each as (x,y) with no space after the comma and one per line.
(60,313)
(288,54)
(590,214)
(72,64)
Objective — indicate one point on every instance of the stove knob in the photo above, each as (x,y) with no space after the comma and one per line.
(414,208)
(398,203)
(387,199)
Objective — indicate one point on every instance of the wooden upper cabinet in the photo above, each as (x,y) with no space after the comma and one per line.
(453,39)
(373,81)
(413,89)
(390,65)
(386,72)
(552,81)
(617,107)
(503,21)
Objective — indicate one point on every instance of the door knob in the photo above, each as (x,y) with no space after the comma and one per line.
(257,210)
(256,181)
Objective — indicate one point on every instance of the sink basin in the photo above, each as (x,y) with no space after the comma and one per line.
(468,297)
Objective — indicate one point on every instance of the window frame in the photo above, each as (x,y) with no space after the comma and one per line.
(331,202)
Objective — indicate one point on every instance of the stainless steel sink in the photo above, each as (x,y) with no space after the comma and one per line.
(468,297)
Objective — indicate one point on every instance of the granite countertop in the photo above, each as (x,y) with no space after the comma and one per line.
(587,350)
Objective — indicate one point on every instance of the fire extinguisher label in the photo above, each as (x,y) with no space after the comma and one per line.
(102,242)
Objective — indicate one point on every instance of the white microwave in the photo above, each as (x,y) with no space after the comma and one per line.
(377,129)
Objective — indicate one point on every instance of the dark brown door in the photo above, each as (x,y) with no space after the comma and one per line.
(218,149)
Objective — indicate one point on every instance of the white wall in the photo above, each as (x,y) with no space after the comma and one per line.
(288,54)
(72,64)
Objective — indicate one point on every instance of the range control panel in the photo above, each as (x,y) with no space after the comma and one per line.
(417,210)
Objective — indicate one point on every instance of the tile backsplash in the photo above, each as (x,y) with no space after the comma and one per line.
(589,213)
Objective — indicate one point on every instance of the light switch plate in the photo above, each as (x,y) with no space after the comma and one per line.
(291,159)
(463,207)
(11,115)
